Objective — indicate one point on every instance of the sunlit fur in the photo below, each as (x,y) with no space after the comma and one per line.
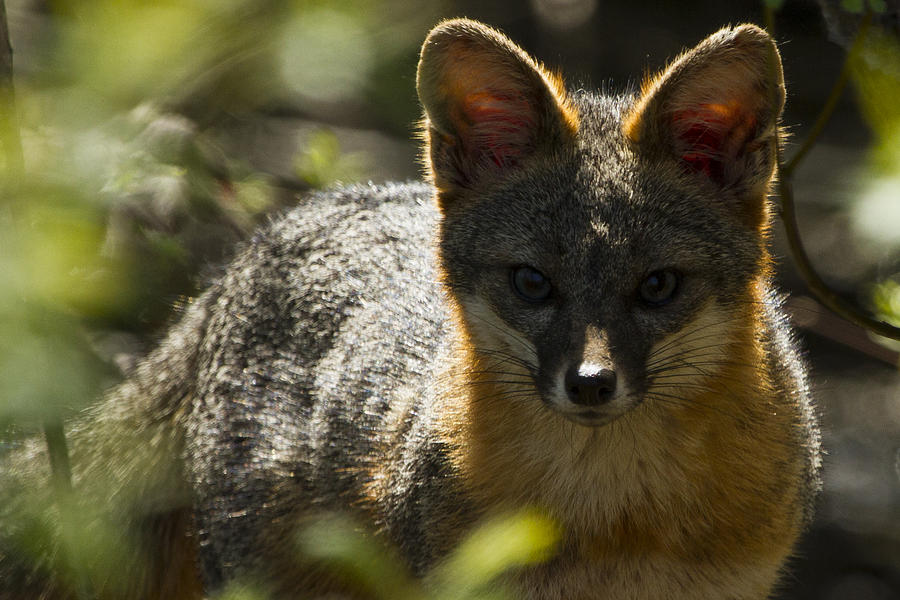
(365,353)
(647,500)
(699,490)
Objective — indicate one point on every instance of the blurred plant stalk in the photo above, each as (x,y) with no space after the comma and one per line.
(14,168)
(817,285)
(9,127)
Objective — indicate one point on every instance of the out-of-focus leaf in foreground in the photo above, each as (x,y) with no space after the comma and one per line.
(473,571)
(513,541)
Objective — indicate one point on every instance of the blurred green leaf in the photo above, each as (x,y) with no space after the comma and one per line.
(240,591)
(124,51)
(858,6)
(472,571)
(48,370)
(74,540)
(254,195)
(886,300)
(875,69)
(54,276)
(322,163)
(336,542)
(516,540)
(886,296)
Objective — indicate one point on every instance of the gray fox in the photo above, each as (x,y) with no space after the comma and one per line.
(574,314)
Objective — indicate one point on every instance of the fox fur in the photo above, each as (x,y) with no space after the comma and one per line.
(574,314)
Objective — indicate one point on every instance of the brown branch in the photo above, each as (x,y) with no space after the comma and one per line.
(814,281)
(809,314)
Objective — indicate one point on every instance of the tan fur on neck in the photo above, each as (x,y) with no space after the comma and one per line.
(663,479)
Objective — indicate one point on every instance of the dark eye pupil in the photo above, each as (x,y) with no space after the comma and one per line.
(659,287)
(530,284)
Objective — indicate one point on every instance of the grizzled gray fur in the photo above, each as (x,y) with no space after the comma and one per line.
(574,316)
(359,309)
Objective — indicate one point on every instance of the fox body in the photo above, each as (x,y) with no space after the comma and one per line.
(574,315)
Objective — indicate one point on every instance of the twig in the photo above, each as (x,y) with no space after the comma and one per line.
(60,467)
(816,284)
(814,281)
(61,477)
(809,314)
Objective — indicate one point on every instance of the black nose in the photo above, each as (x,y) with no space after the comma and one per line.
(590,385)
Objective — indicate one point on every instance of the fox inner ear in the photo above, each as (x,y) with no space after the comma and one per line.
(715,110)
(488,105)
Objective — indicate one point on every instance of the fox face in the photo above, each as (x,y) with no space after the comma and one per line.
(601,251)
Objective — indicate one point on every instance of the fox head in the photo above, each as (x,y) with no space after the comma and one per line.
(601,252)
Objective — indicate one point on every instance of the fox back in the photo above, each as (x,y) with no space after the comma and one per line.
(574,314)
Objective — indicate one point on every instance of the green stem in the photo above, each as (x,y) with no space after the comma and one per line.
(60,467)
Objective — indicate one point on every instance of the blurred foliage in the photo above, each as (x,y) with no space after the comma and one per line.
(311,67)
(473,568)
(875,69)
(238,591)
(858,6)
(131,183)
(322,163)
(876,73)
(473,571)
(887,300)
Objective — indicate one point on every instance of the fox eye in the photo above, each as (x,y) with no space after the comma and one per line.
(659,287)
(530,284)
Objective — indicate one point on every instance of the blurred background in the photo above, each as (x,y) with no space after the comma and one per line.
(149,138)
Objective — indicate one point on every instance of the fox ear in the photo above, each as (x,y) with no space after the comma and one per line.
(715,110)
(488,105)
